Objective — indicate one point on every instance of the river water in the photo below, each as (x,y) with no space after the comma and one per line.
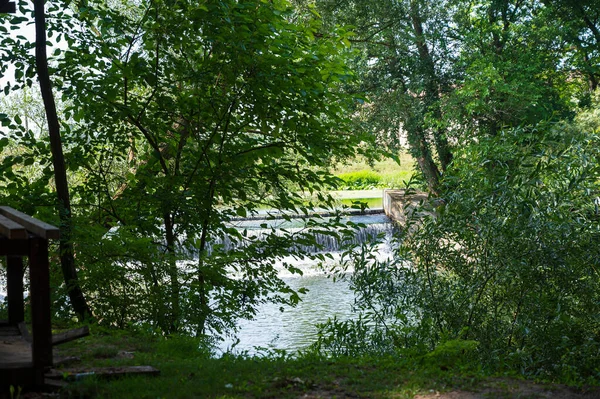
(294,328)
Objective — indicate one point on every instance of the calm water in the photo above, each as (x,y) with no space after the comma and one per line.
(294,328)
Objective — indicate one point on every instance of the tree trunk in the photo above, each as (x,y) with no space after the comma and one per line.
(420,150)
(173,318)
(432,86)
(67,258)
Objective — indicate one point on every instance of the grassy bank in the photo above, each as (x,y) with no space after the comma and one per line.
(361,175)
(187,371)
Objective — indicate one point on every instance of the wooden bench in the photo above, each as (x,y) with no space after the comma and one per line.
(24,358)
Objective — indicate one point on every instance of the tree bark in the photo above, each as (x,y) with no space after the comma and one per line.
(431,103)
(67,258)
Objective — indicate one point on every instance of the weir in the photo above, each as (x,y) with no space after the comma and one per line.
(398,206)
(371,226)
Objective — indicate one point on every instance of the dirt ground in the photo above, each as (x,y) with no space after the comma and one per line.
(491,389)
(509,389)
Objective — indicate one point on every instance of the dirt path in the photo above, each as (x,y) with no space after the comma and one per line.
(493,388)
(510,388)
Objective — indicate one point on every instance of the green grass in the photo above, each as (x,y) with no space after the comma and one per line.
(188,371)
(359,174)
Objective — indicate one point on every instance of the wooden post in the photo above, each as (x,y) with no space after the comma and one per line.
(14,289)
(7,7)
(39,276)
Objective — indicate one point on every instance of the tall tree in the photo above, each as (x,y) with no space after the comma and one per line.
(193,114)
(446,71)
(60,177)
(404,69)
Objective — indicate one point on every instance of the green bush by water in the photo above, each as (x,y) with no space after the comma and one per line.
(361,180)
(370,179)
(386,173)
(509,265)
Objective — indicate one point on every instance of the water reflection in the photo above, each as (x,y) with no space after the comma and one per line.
(294,328)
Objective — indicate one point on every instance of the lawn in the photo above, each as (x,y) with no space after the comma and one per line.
(188,371)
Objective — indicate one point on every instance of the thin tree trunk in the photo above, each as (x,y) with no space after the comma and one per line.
(173,318)
(67,258)
(432,86)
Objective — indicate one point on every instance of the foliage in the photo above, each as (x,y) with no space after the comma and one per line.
(517,274)
(438,72)
(509,262)
(362,180)
(169,140)
(512,63)
(383,173)
(369,179)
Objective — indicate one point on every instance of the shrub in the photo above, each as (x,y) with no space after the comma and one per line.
(361,180)
(509,264)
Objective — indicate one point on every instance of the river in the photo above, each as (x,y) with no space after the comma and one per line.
(294,328)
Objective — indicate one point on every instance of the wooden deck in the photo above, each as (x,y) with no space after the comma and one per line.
(24,357)
(15,351)
(16,359)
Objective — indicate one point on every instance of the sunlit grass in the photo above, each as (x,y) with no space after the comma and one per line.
(362,175)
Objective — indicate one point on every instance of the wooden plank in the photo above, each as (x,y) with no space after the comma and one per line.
(54,385)
(11,229)
(33,225)
(70,335)
(76,374)
(39,281)
(14,352)
(14,289)
(66,361)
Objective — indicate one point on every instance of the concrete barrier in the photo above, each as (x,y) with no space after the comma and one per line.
(402,205)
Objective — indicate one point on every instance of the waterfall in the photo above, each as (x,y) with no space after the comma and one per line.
(261,229)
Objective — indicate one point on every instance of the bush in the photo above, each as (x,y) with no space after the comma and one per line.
(361,180)
(510,263)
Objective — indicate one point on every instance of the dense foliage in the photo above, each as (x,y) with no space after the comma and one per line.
(178,118)
(496,101)
(507,262)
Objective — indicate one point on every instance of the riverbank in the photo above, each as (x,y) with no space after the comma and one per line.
(188,371)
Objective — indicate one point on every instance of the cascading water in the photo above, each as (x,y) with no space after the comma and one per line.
(374,224)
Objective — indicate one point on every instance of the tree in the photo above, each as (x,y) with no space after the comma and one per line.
(190,114)
(513,68)
(15,53)
(404,68)
(67,255)
(580,26)
(444,72)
